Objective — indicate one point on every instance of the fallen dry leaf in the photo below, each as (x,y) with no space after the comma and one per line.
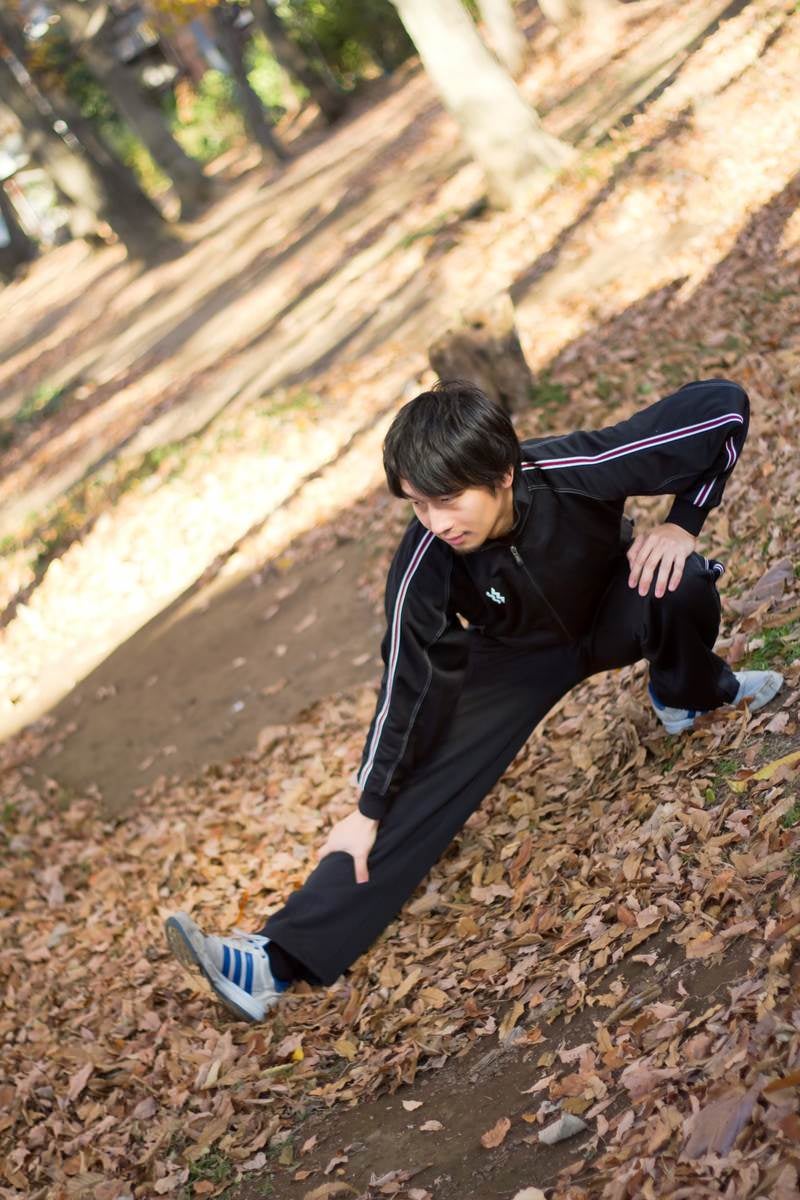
(326,1191)
(765,772)
(716,1126)
(496,1135)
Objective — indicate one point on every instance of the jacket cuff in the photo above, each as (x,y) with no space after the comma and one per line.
(373,805)
(688,516)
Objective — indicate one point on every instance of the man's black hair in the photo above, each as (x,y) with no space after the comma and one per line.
(448,439)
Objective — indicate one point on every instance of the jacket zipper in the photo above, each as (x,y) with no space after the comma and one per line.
(518,559)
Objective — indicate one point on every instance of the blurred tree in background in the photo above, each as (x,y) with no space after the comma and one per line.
(205,76)
(241,65)
(232,47)
(99,191)
(350,36)
(89,28)
(502,131)
(505,36)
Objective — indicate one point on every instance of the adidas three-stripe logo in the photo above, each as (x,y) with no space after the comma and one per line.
(232,963)
(493,594)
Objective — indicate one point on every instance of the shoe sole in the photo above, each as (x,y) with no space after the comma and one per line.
(678,726)
(187,956)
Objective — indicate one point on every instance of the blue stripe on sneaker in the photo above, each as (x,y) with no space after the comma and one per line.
(226,961)
(237,966)
(248,972)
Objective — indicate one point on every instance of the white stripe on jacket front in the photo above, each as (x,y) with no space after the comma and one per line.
(394,654)
(659,439)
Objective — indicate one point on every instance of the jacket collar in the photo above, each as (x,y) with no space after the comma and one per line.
(523,503)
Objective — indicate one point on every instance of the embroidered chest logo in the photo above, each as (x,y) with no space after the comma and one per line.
(498,597)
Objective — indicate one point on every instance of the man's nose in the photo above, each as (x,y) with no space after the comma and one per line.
(440,522)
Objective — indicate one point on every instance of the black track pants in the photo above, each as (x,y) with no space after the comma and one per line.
(331,920)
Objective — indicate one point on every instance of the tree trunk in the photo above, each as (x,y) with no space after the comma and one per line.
(252,109)
(16,247)
(486,351)
(570,12)
(505,36)
(323,89)
(89,30)
(98,193)
(503,133)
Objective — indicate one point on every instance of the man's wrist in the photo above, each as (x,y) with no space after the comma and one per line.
(688,516)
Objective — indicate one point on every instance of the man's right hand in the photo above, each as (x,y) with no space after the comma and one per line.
(355,835)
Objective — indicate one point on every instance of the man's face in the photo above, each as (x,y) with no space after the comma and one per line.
(465,520)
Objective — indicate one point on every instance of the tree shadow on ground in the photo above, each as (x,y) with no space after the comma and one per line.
(550,257)
(355,190)
(607,114)
(737,306)
(411,293)
(51,318)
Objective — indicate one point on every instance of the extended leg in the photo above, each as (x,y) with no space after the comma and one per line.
(331,919)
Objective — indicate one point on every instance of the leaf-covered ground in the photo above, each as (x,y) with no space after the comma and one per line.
(562,928)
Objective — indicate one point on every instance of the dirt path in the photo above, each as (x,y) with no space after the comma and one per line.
(206,677)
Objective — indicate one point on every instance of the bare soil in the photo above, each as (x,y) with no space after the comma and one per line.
(202,680)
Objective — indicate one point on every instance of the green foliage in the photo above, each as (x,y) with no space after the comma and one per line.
(214,122)
(349,35)
(211,124)
(547,395)
(212,1166)
(265,76)
(792,817)
(8,813)
(59,69)
(778,646)
(430,230)
(604,387)
(43,402)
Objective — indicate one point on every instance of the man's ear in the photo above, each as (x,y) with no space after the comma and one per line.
(508,478)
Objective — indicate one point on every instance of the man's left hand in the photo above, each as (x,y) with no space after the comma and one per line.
(660,553)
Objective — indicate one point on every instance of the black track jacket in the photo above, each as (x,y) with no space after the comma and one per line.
(541,583)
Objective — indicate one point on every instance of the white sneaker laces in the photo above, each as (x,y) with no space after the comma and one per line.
(255,939)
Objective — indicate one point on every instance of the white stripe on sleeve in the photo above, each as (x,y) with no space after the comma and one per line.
(394,654)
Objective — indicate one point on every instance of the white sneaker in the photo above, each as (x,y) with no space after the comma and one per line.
(757,688)
(237,967)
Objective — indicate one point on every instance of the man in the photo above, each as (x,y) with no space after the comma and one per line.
(517,578)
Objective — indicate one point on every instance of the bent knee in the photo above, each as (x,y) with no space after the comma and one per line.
(697,585)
